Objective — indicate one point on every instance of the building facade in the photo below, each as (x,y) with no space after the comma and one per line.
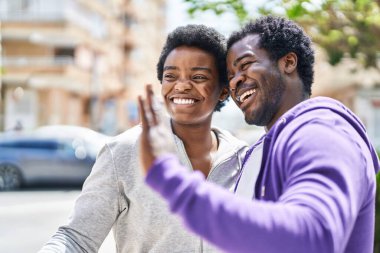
(69,62)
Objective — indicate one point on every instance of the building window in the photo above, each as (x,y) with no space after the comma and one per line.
(64,52)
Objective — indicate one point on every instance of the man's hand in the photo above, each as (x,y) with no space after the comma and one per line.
(155,139)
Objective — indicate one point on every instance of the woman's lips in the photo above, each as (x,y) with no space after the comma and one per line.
(183,101)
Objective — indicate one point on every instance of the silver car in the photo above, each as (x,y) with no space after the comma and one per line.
(57,154)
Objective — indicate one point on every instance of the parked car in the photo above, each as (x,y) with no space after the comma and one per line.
(55,154)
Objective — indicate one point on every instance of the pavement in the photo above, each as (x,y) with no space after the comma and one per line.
(29,218)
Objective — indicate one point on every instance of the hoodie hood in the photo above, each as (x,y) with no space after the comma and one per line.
(318,103)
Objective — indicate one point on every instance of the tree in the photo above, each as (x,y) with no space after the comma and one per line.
(341,27)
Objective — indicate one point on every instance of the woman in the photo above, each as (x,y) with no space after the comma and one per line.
(192,72)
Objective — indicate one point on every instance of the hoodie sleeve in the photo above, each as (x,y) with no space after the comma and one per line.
(322,193)
(94,212)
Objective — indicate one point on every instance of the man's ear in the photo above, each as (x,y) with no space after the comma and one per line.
(224,94)
(288,63)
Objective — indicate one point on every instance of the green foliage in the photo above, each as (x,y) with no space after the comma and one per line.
(342,27)
(219,7)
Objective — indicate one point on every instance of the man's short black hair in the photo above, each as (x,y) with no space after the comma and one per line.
(204,38)
(279,36)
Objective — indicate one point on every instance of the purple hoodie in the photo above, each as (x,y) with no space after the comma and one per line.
(315,191)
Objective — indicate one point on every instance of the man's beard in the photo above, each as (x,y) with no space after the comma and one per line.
(270,105)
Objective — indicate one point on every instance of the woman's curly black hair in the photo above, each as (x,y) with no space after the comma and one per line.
(204,38)
(279,36)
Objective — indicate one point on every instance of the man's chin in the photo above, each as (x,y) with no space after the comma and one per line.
(254,121)
(251,121)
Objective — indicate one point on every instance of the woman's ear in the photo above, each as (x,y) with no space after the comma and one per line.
(224,94)
(288,63)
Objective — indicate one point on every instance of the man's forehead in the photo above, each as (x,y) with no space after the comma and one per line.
(248,42)
(245,47)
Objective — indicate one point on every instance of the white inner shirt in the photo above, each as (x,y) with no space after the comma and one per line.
(251,169)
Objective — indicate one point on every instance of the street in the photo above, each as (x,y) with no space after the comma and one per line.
(29,218)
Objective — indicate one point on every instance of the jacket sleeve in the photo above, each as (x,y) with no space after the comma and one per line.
(322,193)
(94,212)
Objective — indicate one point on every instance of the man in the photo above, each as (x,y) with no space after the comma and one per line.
(316,188)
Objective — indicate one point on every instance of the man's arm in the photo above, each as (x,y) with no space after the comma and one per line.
(316,212)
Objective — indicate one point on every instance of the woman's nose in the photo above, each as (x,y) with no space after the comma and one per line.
(183,85)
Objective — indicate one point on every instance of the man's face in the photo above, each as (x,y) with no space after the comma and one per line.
(190,85)
(256,84)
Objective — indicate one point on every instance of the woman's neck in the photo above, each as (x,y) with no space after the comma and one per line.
(194,135)
(199,142)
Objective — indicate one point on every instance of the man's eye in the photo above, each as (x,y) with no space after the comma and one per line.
(245,65)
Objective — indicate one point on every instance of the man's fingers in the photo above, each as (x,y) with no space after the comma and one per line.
(148,115)
(152,117)
(143,118)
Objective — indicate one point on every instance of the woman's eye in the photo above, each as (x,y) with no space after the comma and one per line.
(199,77)
(169,77)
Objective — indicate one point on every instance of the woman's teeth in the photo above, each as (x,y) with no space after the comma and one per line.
(245,95)
(183,101)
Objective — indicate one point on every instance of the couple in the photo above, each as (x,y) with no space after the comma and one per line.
(308,185)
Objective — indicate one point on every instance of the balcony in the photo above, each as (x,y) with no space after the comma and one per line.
(59,65)
(50,11)
(32,10)
(46,72)
(37,61)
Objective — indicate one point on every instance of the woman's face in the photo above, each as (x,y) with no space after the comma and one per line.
(190,85)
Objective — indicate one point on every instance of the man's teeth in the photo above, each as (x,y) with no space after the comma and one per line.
(183,101)
(246,94)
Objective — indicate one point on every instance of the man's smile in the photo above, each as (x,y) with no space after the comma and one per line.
(245,95)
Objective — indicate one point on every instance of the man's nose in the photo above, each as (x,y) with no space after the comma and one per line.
(234,83)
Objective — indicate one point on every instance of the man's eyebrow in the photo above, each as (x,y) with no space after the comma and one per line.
(170,67)
(202,68)
(235,62)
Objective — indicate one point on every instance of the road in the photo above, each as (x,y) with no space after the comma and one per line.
(29,218)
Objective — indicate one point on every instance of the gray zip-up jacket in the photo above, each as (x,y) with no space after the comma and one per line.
(115,196)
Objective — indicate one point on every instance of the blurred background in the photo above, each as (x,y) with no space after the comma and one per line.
(71,70)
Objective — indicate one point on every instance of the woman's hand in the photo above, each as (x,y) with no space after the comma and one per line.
(155,139)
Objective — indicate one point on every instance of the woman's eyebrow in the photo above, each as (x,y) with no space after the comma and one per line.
(170,68)
(202,68)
